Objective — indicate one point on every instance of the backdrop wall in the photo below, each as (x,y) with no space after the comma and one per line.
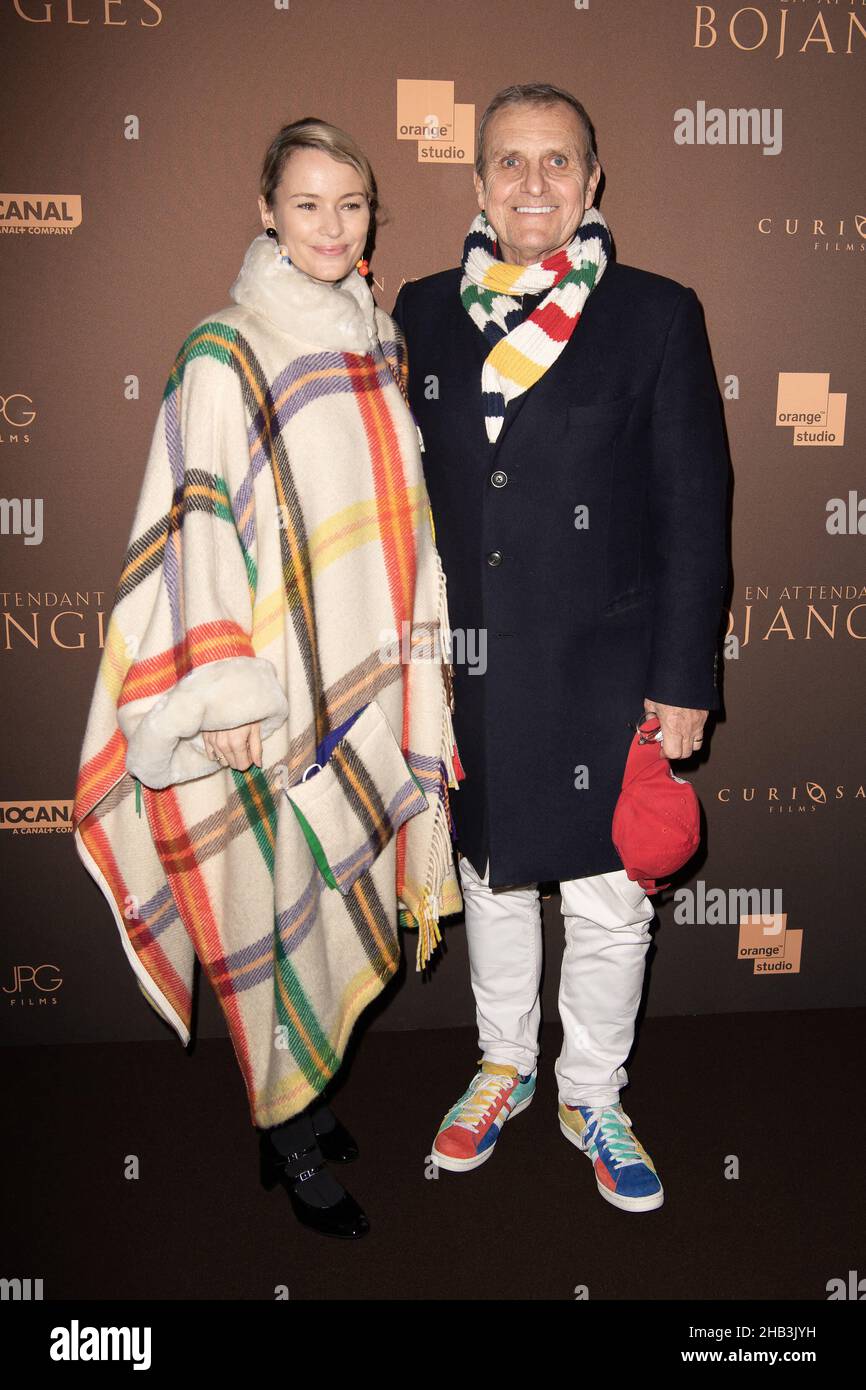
(733,151)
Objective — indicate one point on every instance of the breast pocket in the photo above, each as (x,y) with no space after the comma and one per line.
(350,807)
(600,419)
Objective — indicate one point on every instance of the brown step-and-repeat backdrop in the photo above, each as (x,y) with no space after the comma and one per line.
(733,147)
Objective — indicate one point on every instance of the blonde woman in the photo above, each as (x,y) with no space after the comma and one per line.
(265,772)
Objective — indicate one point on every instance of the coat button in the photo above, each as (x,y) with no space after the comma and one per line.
(499,479)
(495,557)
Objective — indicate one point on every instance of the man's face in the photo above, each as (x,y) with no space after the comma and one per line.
(536,184)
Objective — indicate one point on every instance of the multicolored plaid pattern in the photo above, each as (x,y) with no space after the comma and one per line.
(283,515)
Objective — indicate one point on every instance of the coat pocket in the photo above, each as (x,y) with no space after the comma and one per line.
(352,807)
(599,421)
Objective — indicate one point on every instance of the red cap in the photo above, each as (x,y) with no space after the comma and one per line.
(657,820)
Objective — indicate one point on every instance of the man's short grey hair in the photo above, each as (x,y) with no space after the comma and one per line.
(536,94)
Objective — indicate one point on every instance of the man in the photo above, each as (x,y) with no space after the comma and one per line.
(577,470)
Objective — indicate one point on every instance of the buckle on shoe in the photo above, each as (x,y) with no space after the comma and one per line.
(306,1173)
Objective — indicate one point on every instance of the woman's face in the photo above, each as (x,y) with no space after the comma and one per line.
(321,214)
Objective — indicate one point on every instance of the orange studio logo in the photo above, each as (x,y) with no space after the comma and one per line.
(767,942)
(805,402)
(40,214)
(443,129)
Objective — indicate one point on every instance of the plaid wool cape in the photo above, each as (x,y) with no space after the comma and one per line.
(281,568)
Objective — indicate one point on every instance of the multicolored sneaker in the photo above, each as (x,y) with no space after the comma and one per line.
(624,1172)
(468,1134)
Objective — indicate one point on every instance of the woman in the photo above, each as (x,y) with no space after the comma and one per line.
(264,781)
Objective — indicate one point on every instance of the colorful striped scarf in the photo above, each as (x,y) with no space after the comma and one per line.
(524,348)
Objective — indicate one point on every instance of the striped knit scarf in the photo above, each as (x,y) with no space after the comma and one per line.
(522,349)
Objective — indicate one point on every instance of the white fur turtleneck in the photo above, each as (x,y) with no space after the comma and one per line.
(338,317)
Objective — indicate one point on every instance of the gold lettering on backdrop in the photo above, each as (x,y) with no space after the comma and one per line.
(804,612)
(861,636)
(819,20)
(13,623)
(702,23)
(829,628)
(746,47)
(852,20)
(73,12)
(787,626)
(751,27)
(70,646)
(86,607)
(33,19)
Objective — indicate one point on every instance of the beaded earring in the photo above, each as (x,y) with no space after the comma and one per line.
(280,251)
(363,267)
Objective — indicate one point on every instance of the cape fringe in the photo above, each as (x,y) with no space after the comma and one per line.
(441,861)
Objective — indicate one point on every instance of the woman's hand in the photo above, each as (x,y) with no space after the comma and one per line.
(237,748)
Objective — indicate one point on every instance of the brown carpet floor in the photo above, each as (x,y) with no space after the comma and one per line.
(780,1093)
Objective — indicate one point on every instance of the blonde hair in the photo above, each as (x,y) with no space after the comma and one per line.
(309,133)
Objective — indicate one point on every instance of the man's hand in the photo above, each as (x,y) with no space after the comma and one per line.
(682,729)
(236,748)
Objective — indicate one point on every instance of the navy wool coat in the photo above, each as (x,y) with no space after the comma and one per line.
(586,548)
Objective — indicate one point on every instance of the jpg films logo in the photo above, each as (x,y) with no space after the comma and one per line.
(32,986)
(766,941)
(443,129)
(17,413)
(816,414)
(36,817)
(39,214)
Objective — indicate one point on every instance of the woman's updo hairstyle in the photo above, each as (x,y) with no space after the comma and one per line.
(309,133)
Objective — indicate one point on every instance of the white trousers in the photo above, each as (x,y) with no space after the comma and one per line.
(607,934)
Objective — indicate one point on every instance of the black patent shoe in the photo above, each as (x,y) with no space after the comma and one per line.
(344,1219)
(336,1144)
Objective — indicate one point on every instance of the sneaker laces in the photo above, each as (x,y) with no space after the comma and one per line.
(484,1091)
(613,1124)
